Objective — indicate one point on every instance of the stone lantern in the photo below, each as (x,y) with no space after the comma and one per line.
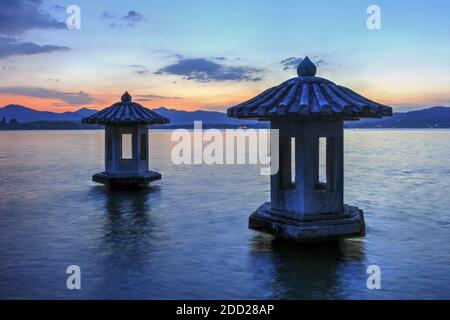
(126,143)
(307,192)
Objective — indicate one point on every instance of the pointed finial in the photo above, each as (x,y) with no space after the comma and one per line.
(126,97)
(306,68)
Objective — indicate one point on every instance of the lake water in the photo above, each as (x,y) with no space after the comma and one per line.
(186,236)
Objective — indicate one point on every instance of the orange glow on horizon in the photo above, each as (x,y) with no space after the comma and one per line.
(210,101)
(56,105)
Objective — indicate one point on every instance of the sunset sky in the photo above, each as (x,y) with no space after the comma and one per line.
(212,54)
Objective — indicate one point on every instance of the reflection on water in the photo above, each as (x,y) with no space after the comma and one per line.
(128,225)
(186,236)
(306,271)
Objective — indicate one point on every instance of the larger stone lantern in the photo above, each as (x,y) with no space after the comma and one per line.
(309,112)
(126,143)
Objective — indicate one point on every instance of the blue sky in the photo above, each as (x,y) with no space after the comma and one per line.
(212,54)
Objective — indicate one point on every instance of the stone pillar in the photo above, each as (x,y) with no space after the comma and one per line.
(118,164)
(307,196)
(139,161)
(142,148)
(109,149)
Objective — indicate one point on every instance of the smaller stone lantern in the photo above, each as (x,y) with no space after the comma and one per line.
(307,194)
(126,143)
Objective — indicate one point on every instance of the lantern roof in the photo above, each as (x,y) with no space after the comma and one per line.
(309,97)
(126,112)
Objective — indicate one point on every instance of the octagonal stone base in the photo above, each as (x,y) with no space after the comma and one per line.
(323,227)
(125,180)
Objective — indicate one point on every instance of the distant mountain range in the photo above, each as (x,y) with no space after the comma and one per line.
(24,114)
(434,117)
(177,117)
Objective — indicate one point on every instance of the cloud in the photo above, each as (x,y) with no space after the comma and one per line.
(139,69)
(18,16)
(58,7)
(9,68)
(175,55)
(70,98)
(10,46)
(168,54)
(131,19)
(204,70)
(152,97)
(108,15)
(293,62)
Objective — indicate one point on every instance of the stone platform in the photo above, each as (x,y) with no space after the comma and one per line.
(126,179)
(309,228)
